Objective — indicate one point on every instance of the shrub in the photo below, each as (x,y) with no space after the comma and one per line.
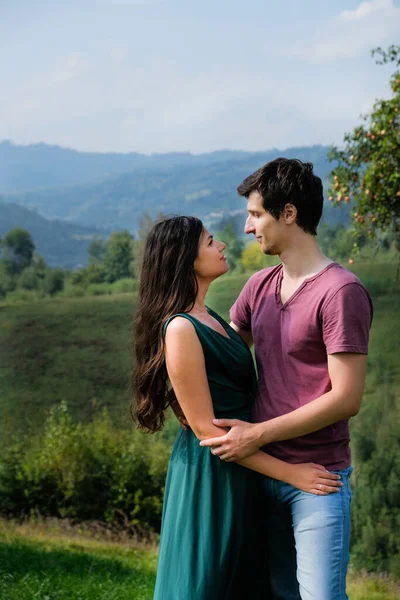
(24,296)
(98,289)
(29,279)
(72,290)
(53,281)
(122,286)
(92,471)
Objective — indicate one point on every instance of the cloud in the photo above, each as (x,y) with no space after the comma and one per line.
(353,32)
(112,94)
(366,8)
(68,68)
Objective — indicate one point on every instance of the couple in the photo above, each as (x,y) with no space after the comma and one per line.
(239,522)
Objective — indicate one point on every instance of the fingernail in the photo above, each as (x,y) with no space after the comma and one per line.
(215,420)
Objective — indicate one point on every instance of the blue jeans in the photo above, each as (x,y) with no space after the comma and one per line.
(308,541)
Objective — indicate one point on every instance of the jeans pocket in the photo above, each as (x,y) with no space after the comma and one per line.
(344,473)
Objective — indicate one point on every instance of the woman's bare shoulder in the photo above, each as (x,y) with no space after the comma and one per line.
(178,327)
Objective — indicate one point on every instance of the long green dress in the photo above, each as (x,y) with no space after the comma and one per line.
(212,545)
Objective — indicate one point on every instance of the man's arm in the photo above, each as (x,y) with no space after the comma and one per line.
(188,376)
(347,373)
(246,336)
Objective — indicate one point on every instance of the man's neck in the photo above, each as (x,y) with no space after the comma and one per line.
(303,258)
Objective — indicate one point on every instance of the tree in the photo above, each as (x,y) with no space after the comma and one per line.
(367,171)
(54,281)
(96,249)
(32,277)
(337,241)
(95,272)
(29,280)
(17,250)
(118,255)
(7,280)
(234,245)
(145,225)
(254,260)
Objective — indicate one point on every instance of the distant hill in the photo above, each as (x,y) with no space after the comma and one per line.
(203,185)
(60,244)
(42,165)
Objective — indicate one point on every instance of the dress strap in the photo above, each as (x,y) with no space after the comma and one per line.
(184,315)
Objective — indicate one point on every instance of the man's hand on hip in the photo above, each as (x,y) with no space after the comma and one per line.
(241,441)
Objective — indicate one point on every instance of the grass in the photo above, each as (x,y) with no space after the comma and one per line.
(45,562)
(79,350)
(38,563)
(366,587)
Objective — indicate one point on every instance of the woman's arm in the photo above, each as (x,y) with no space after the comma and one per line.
(308,477)
(187,373)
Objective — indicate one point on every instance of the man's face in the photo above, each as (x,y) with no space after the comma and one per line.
(269,232)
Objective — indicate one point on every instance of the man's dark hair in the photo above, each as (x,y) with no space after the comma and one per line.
(288,181)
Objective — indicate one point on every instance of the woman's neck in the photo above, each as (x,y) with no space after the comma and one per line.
(199,305)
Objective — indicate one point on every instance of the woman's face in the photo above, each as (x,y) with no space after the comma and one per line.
(210,262)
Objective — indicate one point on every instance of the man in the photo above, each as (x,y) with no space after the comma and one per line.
(309,319)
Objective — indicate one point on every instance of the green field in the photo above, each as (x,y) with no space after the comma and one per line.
(44,562)
(78,350)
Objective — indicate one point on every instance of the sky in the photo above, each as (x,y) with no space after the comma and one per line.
(177,75)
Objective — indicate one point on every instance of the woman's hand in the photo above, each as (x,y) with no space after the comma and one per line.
(314,479)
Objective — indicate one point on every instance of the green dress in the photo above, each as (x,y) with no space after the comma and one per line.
(211,545)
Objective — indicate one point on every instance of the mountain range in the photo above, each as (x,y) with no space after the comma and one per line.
(60,243)
(94,191)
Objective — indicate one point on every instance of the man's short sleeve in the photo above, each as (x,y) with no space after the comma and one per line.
(240,312)
(346,320)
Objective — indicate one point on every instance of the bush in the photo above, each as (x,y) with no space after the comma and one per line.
(125,285)
(53,281)
(29,279)
(24,296)
(376,509)
(72,290)
(92,471)
(7,279)
(98,289)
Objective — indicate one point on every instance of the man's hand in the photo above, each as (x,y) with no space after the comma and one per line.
(178,412)
(242,440)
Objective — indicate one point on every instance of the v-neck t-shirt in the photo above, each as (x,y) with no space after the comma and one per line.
(330,312)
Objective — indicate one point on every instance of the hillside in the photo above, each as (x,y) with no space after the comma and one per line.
(42,165)
(207,190)
(60,244)
(73,356)
(78,350)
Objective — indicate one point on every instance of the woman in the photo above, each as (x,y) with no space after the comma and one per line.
(211,547)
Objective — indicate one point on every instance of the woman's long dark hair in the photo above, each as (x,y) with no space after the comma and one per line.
(168,286)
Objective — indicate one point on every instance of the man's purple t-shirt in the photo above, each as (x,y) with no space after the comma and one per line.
(329,313)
